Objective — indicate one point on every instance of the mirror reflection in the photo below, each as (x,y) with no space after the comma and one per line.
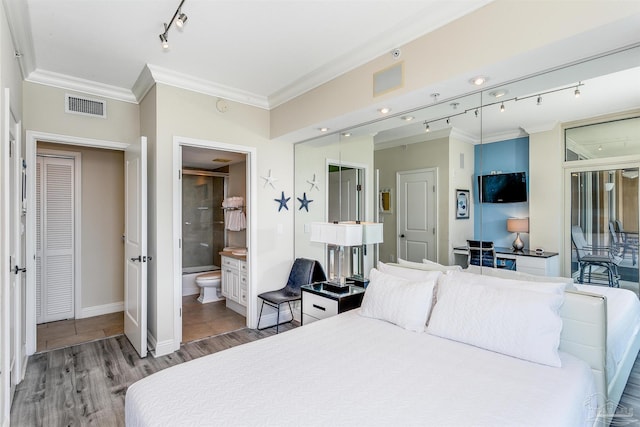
(423,160)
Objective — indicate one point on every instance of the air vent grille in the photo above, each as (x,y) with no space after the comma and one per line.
(85,106)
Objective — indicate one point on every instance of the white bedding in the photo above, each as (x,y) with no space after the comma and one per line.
(623,322)
(353,370)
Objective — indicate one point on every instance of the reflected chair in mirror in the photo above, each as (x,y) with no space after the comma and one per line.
(303,272)
(605,258)
(627,241)
(481,253)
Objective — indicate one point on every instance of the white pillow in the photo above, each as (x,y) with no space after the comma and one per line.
(518,275)
(511,321)
(411,274)
(396,300)
(520,283)
(428,265)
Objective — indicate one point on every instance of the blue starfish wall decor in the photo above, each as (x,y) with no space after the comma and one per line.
(283,202)
(304,202)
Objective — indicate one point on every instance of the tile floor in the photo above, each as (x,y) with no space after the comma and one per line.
(206,320)
(64,333)
(198,321)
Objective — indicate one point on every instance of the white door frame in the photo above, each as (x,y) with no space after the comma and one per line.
(31,140)
(77,213)
(398,212)
(252,229)
(365,173)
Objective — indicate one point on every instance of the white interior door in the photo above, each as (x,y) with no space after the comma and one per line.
(135,252)
(16,248)
(417,234)
(55,239)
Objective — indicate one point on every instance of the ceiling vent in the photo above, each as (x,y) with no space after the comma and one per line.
(85,106)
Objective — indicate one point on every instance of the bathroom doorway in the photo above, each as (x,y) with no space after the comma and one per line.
(210,179)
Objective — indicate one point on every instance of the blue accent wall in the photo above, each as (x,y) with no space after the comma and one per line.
(490,219)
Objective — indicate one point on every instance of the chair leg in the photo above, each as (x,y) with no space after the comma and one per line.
(278,319)
(260,316)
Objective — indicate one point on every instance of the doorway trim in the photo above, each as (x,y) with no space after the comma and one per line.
(31,141)
(252,229)
(365,174)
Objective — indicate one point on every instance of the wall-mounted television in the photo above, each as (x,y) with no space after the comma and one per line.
(503,188)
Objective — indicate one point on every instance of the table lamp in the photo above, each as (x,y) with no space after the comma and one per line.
(372,233)
(518,225)
(337,236)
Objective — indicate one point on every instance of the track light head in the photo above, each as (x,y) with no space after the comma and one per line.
(577,92)
(164,40)
(476,112)
(502,107)
(448,121)
(539,101)
(181,20)
(426,127)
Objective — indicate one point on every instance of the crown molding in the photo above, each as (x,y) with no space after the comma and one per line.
(195,84)
(463,136)
(64,81)
(504,136)
(143,84)
(544,127)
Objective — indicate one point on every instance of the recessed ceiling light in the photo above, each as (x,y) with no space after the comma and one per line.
(407,118)
(385,110)
(346,134)
(219,160)
(323,129)
(454,105)
(479,80)
(498,93)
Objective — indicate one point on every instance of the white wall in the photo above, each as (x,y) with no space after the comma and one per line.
(460,177)
(192,115)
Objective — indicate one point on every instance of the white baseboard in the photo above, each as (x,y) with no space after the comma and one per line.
(161,348)
(98,310)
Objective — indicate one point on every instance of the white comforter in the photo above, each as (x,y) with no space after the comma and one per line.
(352,370)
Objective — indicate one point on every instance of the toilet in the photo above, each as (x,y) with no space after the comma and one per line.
(210,289)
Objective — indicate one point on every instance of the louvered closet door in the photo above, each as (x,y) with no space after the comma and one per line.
(55,250)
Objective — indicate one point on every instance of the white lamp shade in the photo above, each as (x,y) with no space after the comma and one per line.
(518,225)
(371,231)
(340,234)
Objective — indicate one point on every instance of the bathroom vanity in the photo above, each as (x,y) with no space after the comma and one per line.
(234,281)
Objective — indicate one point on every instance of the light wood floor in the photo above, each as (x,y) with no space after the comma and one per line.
(198,321)
(85,385)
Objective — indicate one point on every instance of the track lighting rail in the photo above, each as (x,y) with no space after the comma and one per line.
(179,18)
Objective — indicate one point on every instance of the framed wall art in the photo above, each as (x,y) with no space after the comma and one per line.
(462,204)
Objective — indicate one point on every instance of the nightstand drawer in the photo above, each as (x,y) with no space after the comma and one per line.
(318,307)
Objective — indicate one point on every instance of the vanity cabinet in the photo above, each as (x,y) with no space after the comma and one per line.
(234,280)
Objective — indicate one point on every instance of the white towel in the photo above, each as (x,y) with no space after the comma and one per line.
(235,220)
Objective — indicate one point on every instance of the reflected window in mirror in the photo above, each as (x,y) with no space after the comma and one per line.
(602,140)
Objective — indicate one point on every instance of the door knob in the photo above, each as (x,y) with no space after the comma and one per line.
(402,235)
(17,269)
(138,258)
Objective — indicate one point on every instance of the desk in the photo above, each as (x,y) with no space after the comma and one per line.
(525,261)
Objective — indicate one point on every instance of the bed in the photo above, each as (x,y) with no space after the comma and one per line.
(375,366)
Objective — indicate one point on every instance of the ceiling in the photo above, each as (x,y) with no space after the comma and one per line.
(265,52)
(260,52)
